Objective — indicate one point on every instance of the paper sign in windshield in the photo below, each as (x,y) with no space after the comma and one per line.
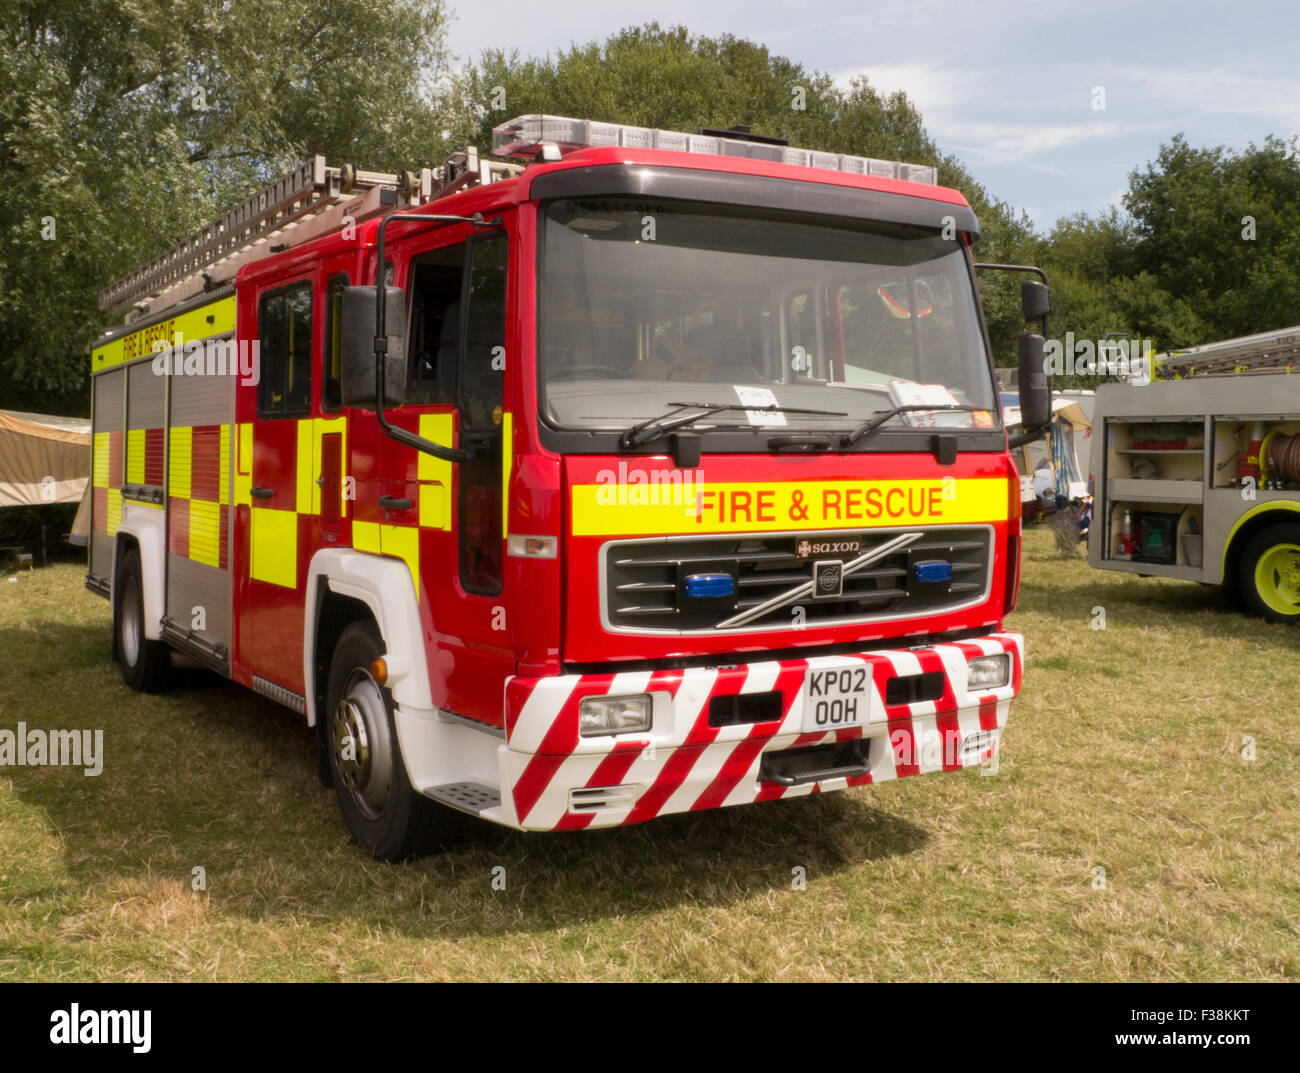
(759,396)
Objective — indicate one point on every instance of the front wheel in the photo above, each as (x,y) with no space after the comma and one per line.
(385,814)
(1269,575)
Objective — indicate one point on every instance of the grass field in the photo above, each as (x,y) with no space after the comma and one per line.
(1124,753)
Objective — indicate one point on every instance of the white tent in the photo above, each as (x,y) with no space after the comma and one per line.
(1071,432)
(45,460)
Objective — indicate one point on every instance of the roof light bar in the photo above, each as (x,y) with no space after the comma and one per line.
(528,137)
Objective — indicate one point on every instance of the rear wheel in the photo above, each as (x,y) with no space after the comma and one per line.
(385,814)
(1269,574)
(146,665)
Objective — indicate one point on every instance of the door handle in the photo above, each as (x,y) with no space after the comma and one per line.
(262,493)
(393,503)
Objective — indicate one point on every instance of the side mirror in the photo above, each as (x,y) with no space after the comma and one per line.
(357,343)
(1035,299)
(1035,394)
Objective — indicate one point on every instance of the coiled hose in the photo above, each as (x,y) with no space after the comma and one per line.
(1284,458)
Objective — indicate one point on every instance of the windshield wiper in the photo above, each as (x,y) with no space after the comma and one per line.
(648,430)
(865,430)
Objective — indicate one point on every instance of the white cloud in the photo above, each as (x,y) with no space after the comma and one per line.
(934,87)
(1005,143)
(1188,93)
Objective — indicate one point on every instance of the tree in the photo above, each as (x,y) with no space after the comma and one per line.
(1221,230)
(1207,248)
(125,125)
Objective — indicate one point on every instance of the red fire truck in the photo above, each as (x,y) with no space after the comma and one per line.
(658,473)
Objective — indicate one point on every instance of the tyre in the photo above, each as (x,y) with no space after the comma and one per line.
(389,819)
(1268,578)
(146,665)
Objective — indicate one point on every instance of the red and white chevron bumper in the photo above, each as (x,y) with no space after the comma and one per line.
(555,779)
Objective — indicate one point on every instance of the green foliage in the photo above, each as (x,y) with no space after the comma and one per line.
(125,124)
(1178,266)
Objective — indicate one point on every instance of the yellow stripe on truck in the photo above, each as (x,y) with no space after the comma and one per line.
(434,474)
(274,551)
(618,508)
(135,456)
(400,541)
(215,318)
(179,464)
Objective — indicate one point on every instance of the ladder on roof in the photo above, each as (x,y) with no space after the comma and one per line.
(311,200)
(1267,352)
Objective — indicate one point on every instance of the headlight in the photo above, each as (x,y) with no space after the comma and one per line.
(988,672)
(614,715)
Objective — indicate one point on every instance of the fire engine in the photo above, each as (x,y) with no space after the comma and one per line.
(633,472)
(1196,470)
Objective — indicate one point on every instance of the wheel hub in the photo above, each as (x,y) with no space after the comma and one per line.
(1277,578)
(359,742)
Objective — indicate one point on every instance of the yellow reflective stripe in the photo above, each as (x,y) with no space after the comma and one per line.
(223,495)
(435,474)
(100,467)
(435,507)
(306,482)
(179,461)
(114,512)
(205,532)
(188,326)
(621,507)
(399,541)
(273,536)
(507,453)
(244,467)
(135,456)
(365,536)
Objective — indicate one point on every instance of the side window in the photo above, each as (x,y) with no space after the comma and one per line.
(284,328)
(483,365)
(433,338)
(331,395)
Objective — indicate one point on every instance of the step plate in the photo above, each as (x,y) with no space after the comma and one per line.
(472,797)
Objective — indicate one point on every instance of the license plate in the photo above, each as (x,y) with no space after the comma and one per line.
(837,697)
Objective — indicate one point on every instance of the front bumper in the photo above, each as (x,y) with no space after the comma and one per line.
(554,779)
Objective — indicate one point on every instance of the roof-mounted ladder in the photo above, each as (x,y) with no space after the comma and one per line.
(312,200)
(1267,352)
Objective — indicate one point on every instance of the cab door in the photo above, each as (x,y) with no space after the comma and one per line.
(458,351)
(282,480)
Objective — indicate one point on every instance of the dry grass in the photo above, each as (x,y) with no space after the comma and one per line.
(1124,753)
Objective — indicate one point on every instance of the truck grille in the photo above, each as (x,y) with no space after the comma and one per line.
(645,590)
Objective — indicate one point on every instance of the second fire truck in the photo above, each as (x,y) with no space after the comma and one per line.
(663,473)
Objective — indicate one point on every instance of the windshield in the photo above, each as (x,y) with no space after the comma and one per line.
(648,303)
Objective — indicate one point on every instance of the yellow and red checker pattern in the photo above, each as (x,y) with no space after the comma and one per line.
(198,494)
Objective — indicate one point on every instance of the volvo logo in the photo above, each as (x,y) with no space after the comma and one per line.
(828,579)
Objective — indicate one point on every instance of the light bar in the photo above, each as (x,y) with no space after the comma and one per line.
(527,137)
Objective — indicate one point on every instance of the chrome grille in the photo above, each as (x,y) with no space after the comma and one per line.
(644,591)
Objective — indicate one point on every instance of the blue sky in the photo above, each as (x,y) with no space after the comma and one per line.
(1007,87)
